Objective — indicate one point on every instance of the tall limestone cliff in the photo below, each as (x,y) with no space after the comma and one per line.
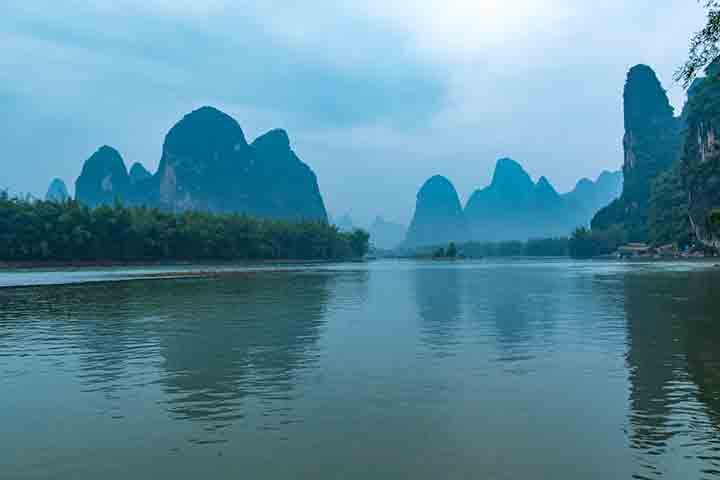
(281,185)
(204,164)
(104,178)
(651,144)
(438,217)
(700,165)
(207,164)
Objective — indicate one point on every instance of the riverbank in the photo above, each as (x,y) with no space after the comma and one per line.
(47,276)
(82,264)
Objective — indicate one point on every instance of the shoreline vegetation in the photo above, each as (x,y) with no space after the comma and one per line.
(37,233)
(582,245)
(547,247)
(225,265)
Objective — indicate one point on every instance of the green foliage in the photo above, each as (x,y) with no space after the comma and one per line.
(714,222)
(669,210)
(703,45)
(71,231)
(359,242)
(623,216)
(549,247)
(451,251)
(586,243)
(494,249)
(700,162)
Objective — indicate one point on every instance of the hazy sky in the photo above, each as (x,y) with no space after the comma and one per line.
(377,95)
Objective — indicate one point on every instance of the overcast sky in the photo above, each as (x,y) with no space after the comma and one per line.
(377,95)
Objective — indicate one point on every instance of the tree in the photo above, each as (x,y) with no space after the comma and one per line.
(33,230)
(714,222)
(669,209)
(703,45)
(451,251)
(359,242)
(586,243)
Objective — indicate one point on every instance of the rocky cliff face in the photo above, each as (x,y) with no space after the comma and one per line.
(104,178)
(57,191)
(204,164)
(438,217)
(700,165)
(207,164)
(651,144)
(652,137)
(281,185)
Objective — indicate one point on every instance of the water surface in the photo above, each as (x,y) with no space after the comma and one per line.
(424,370)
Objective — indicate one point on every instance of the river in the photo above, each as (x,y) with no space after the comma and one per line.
(383,370)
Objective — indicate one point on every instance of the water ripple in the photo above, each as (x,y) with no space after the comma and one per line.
(396,369)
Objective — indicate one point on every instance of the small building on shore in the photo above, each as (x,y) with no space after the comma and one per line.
(668,251)
(634,250)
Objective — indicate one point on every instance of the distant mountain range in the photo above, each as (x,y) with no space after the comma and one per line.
(207,164)
(386,235)
(512,207)
(344,223)
(668,192)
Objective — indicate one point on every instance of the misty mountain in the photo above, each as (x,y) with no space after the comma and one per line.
(386,235)
(438,217)
(652,143)
(208,165)
(345,223)
(57,191)
(513,207)
(588,197)
(138,173)
(103,179)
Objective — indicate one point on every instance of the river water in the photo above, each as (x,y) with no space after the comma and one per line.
(385,370)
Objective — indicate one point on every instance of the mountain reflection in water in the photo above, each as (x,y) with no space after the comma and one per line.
(383,370)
